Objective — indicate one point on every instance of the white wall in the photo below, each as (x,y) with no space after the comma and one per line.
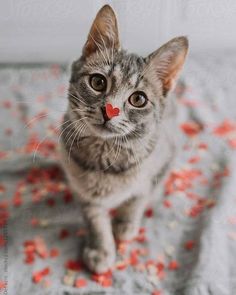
(55,30)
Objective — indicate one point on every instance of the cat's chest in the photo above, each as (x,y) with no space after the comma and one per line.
(103,156)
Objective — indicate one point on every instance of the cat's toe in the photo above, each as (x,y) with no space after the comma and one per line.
(125,231)
(98,260)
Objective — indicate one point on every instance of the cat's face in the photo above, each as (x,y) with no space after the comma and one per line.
(119,94)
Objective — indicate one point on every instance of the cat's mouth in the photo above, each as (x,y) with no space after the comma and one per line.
(105,130)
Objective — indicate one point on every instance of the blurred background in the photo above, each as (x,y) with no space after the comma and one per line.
(55,30)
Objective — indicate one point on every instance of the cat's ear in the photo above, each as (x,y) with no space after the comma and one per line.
(103,33)
(168,61)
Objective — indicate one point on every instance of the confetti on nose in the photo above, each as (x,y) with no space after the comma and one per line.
(111,112)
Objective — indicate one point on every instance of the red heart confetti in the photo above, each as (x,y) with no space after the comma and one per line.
(111,112)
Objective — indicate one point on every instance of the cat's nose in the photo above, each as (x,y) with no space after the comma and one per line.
(104,114)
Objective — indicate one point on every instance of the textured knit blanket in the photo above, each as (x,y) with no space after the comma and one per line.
(187,242)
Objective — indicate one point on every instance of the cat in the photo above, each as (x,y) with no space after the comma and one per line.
(118,138)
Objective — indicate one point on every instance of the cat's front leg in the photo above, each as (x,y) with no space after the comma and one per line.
(128,217)
(99,252)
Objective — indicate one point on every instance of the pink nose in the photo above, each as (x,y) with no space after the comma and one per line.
(111,111)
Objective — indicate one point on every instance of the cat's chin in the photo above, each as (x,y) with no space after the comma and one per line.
(104,131)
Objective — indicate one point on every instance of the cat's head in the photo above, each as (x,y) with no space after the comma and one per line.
(116,93)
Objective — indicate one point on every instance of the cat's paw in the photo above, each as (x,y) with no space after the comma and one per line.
(98,260)
(124,230)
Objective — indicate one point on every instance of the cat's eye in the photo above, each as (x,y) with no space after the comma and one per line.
(98,82)
(138,99)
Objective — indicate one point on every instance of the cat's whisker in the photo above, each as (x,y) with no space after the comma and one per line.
(117,143)
(76,123)
(77,98)
(79,131)
(37,147)
(111,149)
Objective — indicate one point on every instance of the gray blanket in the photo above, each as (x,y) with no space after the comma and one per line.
(187,244)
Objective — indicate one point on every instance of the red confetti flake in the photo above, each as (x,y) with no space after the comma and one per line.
(149,213)
(142,230)
(7,104)
(2,241)
(41,248)
(64,233)
(194,160)
(121,265)
(191,128)
(45,147)
(181,180)
(3,155)
(173,265)
(232,143)
(74,265)
(196,210)
(203,146)
(39,275)
(2,189)
(46,271)
(34,221)
(51,202)
(156,292)
(134,257)
(3,285)
(35,247)
(225,128)
(160,266)
(68,197)
(141,238)
(17,200)
(30,258)
(104,279)
(167,203)
(54,252)
(3,204)
(80,283)
(189,245)
(4,215)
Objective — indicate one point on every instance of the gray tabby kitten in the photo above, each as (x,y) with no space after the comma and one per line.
(118,133)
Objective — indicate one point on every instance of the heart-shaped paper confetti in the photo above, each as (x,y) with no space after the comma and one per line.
(111,112)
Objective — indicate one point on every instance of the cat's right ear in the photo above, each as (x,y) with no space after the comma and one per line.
(103,33)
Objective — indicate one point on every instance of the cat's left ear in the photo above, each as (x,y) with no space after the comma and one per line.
(168,61)
(103,33)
